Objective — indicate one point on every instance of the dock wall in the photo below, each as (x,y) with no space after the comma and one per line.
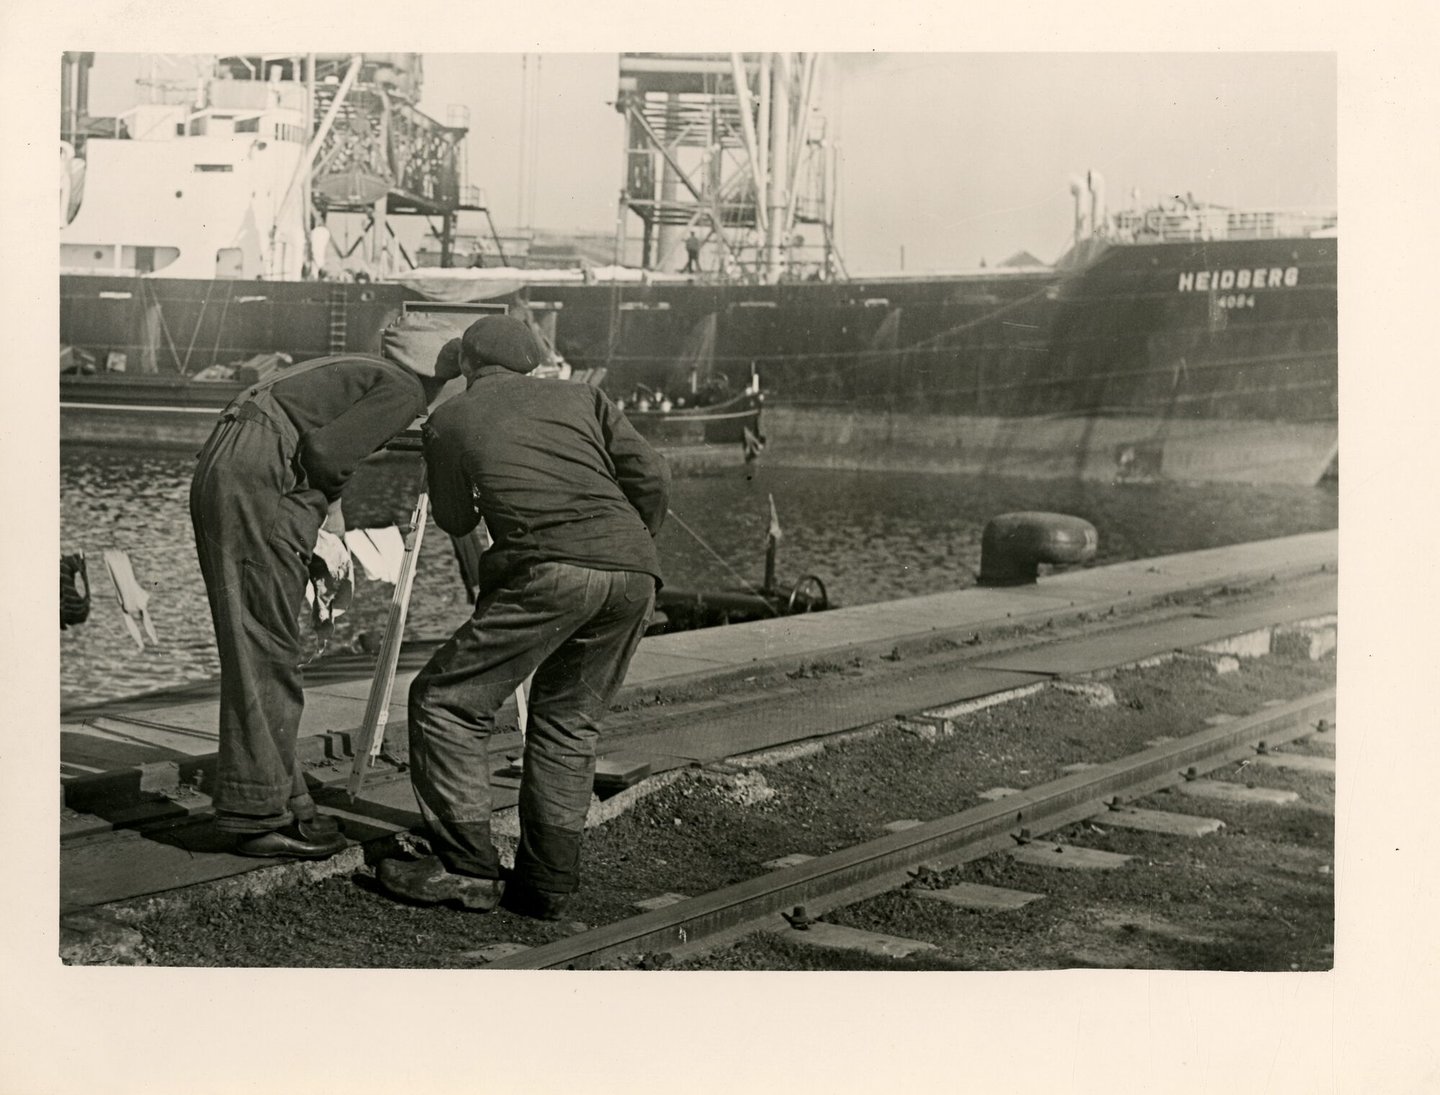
(1125,448)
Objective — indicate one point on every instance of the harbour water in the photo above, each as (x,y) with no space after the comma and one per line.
(868,536)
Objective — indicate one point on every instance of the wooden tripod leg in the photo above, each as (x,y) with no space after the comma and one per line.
(377,707)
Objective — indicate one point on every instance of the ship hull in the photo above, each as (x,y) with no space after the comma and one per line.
(1198,361)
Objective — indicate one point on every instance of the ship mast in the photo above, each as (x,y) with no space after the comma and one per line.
(729,148)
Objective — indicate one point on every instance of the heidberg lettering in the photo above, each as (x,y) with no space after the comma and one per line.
(1204,281)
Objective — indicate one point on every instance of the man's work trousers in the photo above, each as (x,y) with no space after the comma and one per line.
(576,629)
(255,528)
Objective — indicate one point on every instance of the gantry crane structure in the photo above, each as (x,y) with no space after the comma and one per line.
(372,152)
(732,148)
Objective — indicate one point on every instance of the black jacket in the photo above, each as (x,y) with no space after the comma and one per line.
(554,468)
(345,411)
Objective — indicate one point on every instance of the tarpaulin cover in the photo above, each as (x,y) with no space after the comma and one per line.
(415,339)
(487,283)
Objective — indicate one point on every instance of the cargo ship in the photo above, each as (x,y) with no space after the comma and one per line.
(257,217)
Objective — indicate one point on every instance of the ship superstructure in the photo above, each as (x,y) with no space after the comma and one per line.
(232,169)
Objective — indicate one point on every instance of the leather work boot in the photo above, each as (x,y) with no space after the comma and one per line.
(427,882)
(317,838)
(536,904)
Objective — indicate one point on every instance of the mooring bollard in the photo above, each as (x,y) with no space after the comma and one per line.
(1015,544)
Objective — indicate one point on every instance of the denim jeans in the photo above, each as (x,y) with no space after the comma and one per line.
(576,629)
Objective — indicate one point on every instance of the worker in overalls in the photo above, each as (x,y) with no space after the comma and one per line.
(272,471)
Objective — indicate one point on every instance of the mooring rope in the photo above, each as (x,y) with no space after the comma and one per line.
(721,560)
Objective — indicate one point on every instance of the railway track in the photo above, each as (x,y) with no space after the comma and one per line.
(794,898)
(865,758)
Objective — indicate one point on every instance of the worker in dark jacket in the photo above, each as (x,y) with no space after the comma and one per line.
(572,497)
(272,470)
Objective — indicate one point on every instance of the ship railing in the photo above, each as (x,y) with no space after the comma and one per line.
(1214,223)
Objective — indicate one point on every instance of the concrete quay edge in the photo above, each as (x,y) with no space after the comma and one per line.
(671,664)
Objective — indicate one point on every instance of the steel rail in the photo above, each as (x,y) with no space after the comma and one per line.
(853,874)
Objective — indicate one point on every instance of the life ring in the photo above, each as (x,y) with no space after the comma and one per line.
(74,591)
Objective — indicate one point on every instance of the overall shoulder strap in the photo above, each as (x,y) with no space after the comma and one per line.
(304,367)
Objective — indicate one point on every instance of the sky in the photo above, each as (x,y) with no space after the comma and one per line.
(948,158)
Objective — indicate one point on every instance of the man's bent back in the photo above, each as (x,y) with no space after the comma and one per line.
(572,497)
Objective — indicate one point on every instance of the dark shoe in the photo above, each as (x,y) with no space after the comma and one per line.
(537,904)
(298,840)
(321,825)
(427,882)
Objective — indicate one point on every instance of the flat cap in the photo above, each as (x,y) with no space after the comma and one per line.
(501,340)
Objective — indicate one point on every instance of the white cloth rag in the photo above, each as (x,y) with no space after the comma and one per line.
(379,551)
(134,600)
(332,587)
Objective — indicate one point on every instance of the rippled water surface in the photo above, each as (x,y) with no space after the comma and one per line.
(870,536)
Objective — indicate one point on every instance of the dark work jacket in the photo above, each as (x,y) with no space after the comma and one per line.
(554,468)
(345,411)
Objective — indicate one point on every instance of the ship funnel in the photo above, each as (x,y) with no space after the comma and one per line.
(1079,190)
(1095,182)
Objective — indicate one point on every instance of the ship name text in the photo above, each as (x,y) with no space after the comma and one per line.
(1205,281)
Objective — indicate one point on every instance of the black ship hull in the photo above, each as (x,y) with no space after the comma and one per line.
(1204,360)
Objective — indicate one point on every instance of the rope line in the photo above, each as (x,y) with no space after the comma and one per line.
(719,559)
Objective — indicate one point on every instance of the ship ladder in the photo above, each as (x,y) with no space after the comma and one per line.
(337,319)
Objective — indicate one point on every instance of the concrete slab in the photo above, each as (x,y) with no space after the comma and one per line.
(995,793)
(946,715)
(1068,857)
(91,753)
(74,824)
(359,689)
(794,859)
(840,937)
(901,825)
(972,895)
(792,716)
(616,771)
(1094,693)
(1104,651)
(1306,642)
(1220,663)
(1078,766)
(1158,821)
(197,715)
(1297,762)
(1250,644)
(660,901)
(494,952)
(88,872)
(1223,791)
(926,729)
(654,665)
(1285,554)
